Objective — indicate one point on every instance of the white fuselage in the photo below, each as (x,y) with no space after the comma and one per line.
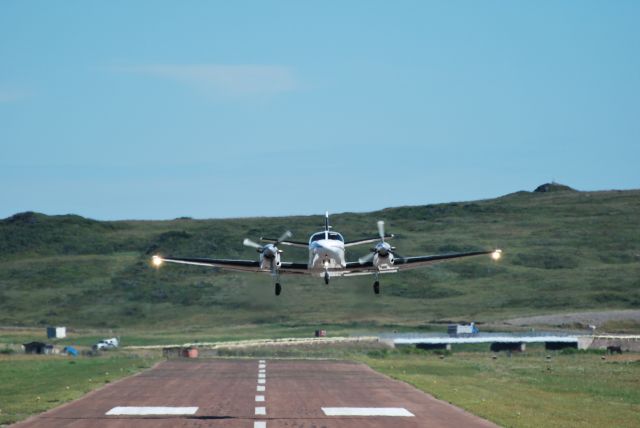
(326,252)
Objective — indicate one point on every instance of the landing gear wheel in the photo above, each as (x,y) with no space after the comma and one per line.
(376,287)
(326,278)
(278,288)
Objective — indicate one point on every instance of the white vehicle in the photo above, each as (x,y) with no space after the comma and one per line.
(326,257)
(105,344)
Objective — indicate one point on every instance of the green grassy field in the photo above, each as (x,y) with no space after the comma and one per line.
(33,384)
(562,251)
(527,390)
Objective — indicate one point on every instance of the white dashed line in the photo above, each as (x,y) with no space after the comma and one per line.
(259,397)
(262,366)
(261,375)
(259,424)
(262,381)
(262,361)
(366,411)
(123,410)
(262,371)
(260,388)
(263,411)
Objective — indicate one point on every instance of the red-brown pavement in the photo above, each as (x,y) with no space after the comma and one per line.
(225,393)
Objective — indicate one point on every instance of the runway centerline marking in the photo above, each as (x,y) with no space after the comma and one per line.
(262,366)
(261,375)
(260,388)
(150,410)
(262,361)
(262,371)
(259,397)
(366,411)
(261,410)
(262,381)
(259,424)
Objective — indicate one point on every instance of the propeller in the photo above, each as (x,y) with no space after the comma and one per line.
(272,246)
(249,243)
(382,248)
(381,229)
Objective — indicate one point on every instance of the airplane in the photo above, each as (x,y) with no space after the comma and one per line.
(326,257)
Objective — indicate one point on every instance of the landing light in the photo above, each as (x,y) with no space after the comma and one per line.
(156,260)
(496,254)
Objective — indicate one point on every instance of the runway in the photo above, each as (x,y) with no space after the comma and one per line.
(257,394)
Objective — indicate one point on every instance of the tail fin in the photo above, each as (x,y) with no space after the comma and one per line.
(326,221)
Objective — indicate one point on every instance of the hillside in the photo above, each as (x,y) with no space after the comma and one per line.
(563,250)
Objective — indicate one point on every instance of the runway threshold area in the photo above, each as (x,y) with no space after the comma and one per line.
(257,394)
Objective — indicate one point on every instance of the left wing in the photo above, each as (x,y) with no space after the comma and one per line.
(405,263)
(366,241)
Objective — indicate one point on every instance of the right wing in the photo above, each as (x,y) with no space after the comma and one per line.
(292,243)
(236,265)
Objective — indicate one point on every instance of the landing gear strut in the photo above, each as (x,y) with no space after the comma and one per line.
(326,278)
(278,288)
(376,287)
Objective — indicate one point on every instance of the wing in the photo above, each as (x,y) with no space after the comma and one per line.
(234,265)
(405,263)
(366,241)
(291,243)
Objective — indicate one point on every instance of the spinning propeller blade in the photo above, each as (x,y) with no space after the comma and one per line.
(249,243)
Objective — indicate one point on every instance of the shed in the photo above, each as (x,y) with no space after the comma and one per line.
(56,332)
(37,348)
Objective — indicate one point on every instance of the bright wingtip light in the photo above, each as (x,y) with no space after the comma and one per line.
(156,260)
(496,254)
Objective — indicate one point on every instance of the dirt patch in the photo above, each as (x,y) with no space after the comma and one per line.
(597,318)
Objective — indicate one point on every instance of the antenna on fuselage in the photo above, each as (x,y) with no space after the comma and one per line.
(326,221)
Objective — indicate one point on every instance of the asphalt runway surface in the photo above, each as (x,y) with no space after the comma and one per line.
(257,394)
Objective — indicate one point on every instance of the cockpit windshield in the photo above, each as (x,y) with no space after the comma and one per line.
(336,236)
(332,235)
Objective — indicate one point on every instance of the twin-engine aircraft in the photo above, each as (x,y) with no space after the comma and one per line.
(326,257)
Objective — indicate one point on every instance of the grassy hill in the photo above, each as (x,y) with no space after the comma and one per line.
(563,250)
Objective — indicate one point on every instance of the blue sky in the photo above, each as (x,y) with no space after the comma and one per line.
(160,109)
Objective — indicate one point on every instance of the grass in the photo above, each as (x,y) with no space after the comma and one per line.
(33,384)
(562,251)
(526,390)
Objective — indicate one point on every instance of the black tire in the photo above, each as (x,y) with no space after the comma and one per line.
(376,287)
(278,289)
(326,278)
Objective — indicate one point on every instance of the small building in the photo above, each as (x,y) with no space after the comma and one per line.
(462,329)
(38,348)
(56,332)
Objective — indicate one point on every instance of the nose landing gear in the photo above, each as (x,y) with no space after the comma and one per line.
(278,288)
(326,278)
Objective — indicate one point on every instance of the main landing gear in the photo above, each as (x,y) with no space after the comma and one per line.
(376,287)
(278,289)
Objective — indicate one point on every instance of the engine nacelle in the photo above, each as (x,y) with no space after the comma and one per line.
(383,262)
